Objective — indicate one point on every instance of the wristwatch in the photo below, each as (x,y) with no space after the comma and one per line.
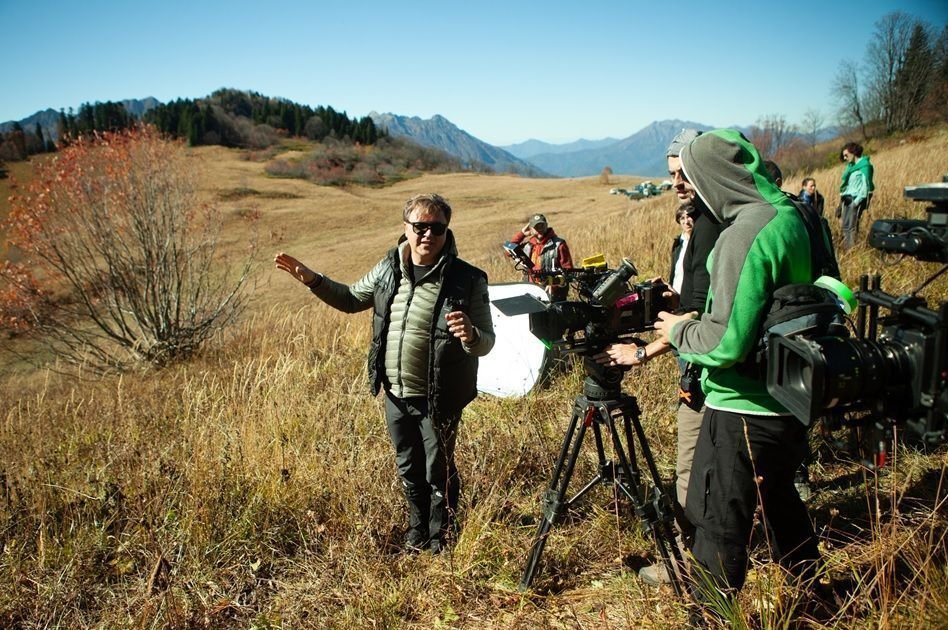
(641,354)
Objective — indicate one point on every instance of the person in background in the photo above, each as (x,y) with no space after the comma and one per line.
(549,254)
(811,196)
(683,216)
(431,321)
(774,171)
(855,190)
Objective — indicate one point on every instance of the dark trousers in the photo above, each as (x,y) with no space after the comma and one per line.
(424,457)
(851,213)
(723,496)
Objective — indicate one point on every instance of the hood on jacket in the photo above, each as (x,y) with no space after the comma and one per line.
(727,173)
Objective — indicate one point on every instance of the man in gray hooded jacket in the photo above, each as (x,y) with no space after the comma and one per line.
(692,297)
(749,445)
(431,322)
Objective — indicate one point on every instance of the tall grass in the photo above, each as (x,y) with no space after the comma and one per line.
(255,486)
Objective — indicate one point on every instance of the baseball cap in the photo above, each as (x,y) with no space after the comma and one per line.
(535,220)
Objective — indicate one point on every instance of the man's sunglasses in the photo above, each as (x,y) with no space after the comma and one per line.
(420,227)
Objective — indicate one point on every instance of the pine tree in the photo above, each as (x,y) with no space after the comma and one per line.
(86,119)
(913,79)
(62,128)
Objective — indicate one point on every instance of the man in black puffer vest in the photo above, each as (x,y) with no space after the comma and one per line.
(431,321)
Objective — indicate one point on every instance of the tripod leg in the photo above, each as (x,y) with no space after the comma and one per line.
(606,472)
(658,514)
(553,504)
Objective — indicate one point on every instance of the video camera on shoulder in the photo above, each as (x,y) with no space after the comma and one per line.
(894,370)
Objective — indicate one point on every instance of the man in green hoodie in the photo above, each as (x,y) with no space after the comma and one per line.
(749,445)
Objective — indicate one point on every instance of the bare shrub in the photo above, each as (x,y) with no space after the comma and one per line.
(121,264)
(335,163)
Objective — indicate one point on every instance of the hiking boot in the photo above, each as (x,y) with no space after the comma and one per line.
(416,541)
(436,546)
(802,483)
(804,490)
(655,575)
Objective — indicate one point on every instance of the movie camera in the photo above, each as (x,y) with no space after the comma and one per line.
(894,370)
(610,309)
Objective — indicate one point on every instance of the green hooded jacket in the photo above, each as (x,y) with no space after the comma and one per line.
(764,246)
(844,180)
(862,165)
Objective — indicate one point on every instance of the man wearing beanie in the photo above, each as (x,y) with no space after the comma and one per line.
(695,281)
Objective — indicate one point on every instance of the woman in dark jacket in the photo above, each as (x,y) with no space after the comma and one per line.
(811,196)
(680,245)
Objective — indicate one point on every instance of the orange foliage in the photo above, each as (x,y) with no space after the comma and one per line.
(52,206)
(20,298)
(111,226)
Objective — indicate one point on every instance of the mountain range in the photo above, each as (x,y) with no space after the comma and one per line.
(48,118)
(526,150)
(642,153)
(440,133)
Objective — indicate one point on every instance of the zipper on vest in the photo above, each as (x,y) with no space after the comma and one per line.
(401,335)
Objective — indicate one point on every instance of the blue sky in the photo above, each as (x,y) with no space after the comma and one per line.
(503,71)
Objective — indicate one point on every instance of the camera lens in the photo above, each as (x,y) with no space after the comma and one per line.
(809,376)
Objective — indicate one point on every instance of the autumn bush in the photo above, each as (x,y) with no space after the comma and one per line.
(119,258)
(388,161)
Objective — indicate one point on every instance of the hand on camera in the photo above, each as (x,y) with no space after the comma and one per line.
(666,321)
(618,354)
(671,295)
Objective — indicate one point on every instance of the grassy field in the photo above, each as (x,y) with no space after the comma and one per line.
(254,486)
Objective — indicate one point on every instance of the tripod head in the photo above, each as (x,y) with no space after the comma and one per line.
(602,382)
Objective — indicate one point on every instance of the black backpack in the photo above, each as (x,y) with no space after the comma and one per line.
(802,309)
(821,240)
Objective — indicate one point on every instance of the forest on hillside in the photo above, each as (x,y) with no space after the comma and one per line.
(344,150)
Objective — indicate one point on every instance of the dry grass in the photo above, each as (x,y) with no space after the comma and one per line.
(254,486)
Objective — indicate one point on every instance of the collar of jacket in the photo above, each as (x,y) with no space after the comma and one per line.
(449,250)
(549,235)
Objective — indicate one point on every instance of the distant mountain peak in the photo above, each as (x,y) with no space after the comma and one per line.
(440,133)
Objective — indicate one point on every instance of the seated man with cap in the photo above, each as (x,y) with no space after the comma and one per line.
(549,254)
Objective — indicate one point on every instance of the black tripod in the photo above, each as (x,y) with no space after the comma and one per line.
(603,404)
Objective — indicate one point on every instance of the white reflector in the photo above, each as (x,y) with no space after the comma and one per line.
(518,358)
